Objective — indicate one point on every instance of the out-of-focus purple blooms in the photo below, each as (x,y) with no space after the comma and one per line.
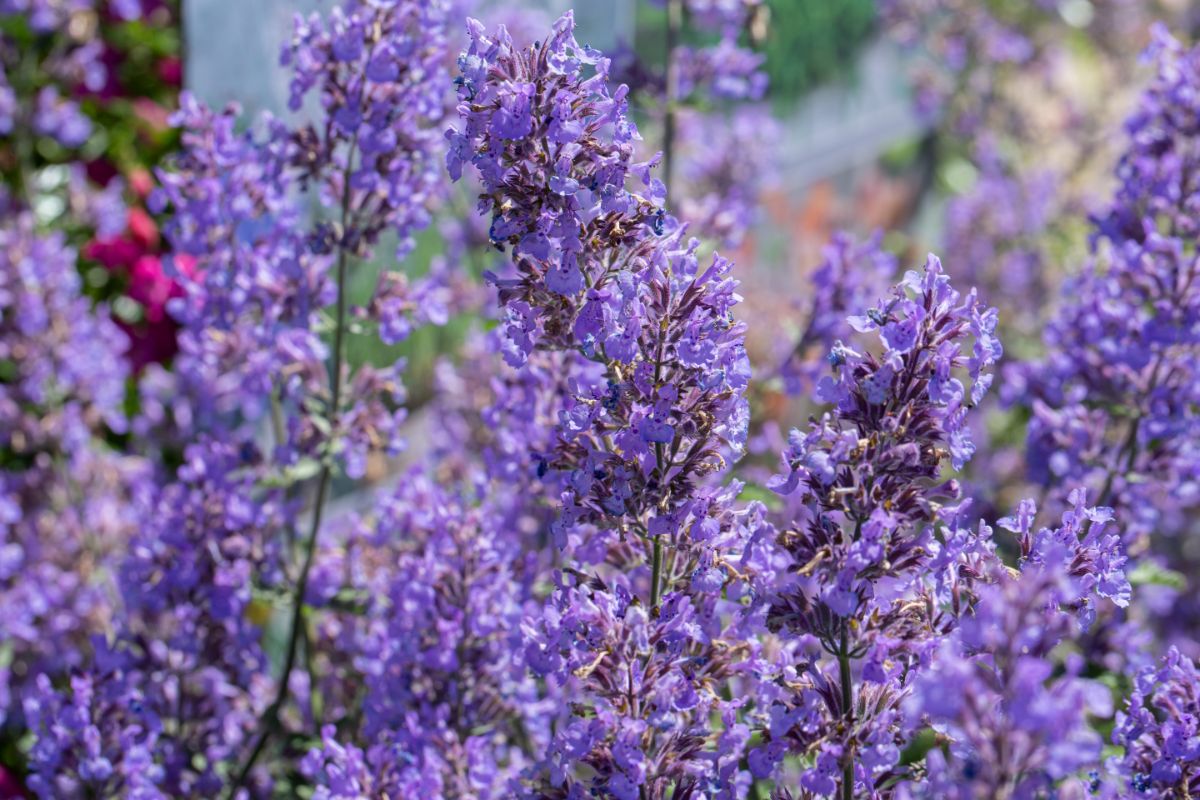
(380,70)
(1114,402)
(998,231)
(725,71)
(1159,731)
(724,163)
(45,15)
(68,504)
(438,676)
(1008,721)
(851,276)
(92,741)
(60,119)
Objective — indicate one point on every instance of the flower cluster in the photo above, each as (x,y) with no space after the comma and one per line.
(1006,721)
(68,69)
(559,587)
(1114,402)
(380,72)
(658,400)
(432,659)
(724,164)
(186,676)
(651,407)
(1158,730)
(868,474)
(259,282)
(68,503)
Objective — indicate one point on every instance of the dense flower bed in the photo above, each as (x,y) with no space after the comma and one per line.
(595,571)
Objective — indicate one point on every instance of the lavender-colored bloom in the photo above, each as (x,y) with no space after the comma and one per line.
(433,657)
(1014,725)
(1114,402)
(724,163)
(45,15)
(867,570)
(851,276)
(999,231)
(663,399)
(68,504)
(380,71)
(93,741)
(650,406)
(1158,729)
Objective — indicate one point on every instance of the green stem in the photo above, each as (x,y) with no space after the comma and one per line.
(674,26)
(656,573)
(847,707)
(270,721)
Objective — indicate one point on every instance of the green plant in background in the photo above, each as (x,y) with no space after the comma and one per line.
(806,42)
(810,41)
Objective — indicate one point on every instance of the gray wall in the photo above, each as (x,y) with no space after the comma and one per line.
(233,45)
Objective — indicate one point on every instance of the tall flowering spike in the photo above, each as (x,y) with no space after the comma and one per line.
(851,276)
(1009,722)
(661,404)
(868,574)
(650,406)
(553,147)
(68,503)
(251,301)
(1115,402)
(1159,731)
(380,72)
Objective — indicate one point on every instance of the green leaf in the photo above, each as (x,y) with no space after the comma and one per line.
(1149,574)
(752,491)
(922,742)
